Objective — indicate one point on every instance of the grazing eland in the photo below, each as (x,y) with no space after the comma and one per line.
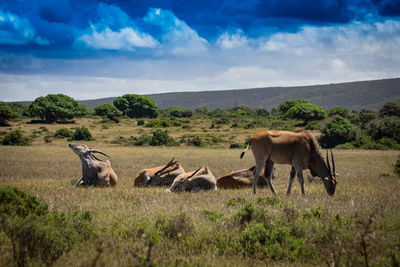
(299,149)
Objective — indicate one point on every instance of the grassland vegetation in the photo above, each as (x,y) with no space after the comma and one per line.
(128,226)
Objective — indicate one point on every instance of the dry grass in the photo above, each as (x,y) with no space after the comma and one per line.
(366,184)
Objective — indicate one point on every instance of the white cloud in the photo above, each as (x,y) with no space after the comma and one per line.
(123,39)
(230,41)
(177,37)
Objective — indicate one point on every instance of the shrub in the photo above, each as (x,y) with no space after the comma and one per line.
(140,122)
(288,104)
(15,138)
(337,131)
(364,117)
(63,133)
(108,111)
(179,112)
(6,112)
(45,238)
(384,127)
(389,109)
(341,111)
(306,111)
(136,106)
(161,137)
(15,202)
(177,227)
(81,133)
(53,108)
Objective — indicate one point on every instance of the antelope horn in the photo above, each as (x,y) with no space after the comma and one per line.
(333,164)
(166,166)
(98,151)
(327,161)
(193,174)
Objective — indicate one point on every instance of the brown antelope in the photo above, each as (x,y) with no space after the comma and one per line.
(299,149)
(241,178)
(201,179)
(95,171)
(159,176)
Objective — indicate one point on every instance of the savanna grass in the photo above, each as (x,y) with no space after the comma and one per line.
(146,226)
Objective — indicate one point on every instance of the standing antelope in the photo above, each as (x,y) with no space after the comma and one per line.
(299,149)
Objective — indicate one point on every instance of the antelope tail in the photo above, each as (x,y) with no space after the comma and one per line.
(244,151)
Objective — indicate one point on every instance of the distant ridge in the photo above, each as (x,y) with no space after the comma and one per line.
(353,95)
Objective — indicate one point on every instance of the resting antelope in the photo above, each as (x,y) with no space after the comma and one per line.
(299,149)
(241,178)
(95,171)
(159,176)
(201,179)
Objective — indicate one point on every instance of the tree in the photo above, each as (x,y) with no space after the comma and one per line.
(56,107)
(136,106)
(306,111)
(337,131)
(387,127)
(108,111)
(285,106)
(342,111)
(389,109)
(6,113)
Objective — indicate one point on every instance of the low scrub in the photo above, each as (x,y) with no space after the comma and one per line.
(15,138)
(81,133)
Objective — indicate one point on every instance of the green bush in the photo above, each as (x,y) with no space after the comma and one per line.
(388,127)
(81,133)
(45,238)
(38,235)
(161,138)
(288,104)
(179,112)
(53,108)
(337,131)
(136,106)
(15,202)
(341,111)
(15,138)
(177,227)
(63,133)
(306,111)
(389,109)
(108,111)
(364,117)
(6,113)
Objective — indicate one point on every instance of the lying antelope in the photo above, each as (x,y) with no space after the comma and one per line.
(159,176)
(201,179)
(95,171)
(242,178)
(299,149)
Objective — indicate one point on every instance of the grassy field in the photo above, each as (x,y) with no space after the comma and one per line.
(145,226)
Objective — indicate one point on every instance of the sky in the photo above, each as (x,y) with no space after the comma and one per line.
(90,49)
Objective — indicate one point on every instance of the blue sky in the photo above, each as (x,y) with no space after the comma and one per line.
(91,49)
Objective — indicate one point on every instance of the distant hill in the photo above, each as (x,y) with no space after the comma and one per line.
(353,95)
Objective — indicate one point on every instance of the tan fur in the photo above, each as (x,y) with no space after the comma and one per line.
(299,149)
(148,177)
(195,181)
(241,178)
(95,171)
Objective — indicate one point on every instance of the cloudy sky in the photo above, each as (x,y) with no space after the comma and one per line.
(91,49)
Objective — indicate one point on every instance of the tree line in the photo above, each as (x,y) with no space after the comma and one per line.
(339,126)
